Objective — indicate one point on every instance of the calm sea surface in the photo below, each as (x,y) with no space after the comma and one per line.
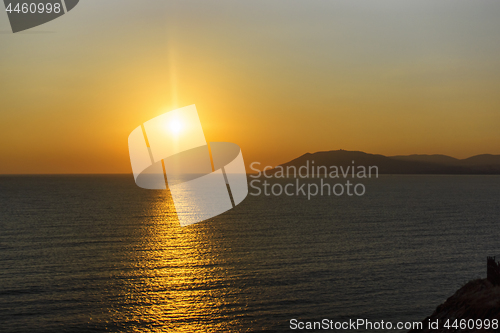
(98,254)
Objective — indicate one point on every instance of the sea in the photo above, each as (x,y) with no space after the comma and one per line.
(96,253)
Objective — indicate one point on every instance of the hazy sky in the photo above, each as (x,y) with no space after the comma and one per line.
(278,78)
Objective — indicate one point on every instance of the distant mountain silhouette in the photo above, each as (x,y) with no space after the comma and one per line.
(436,159)
(412,164)
(486,163)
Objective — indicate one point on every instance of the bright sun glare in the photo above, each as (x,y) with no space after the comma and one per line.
(175,126)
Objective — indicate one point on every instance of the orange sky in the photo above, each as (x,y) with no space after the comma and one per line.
(277,78)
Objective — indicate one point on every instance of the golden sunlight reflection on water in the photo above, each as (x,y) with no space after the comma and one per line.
(99,254)
(177,284)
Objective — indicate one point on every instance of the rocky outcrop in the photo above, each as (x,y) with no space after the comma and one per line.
(493,271)
(477,300)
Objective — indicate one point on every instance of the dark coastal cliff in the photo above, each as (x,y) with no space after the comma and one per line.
(478,299)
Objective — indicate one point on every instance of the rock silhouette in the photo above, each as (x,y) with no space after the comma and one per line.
(478,299)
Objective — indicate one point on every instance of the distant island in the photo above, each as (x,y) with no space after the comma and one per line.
(485,164)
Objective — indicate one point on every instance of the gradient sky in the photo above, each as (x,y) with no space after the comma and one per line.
(278,78)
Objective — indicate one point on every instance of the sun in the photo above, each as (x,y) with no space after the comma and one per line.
(175,126)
